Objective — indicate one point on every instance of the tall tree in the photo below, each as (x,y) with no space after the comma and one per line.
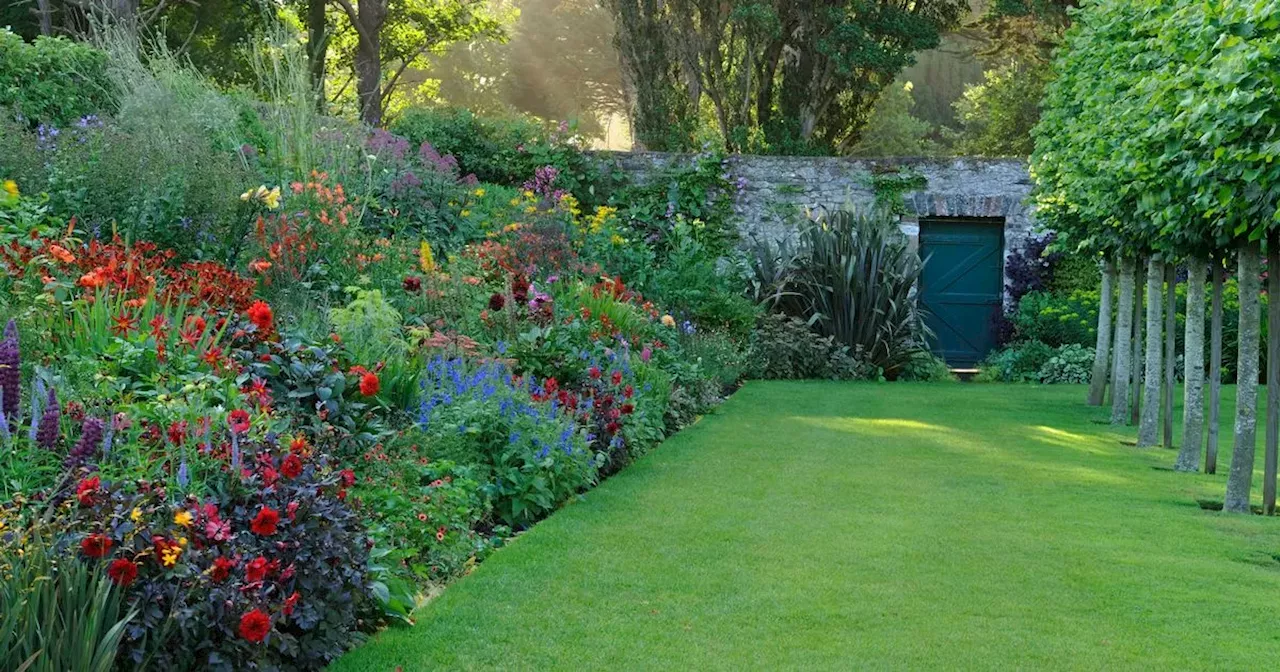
(1102,349)
(1193,358)
(780,75)
(1240,478)
(1148,429)
(400,34)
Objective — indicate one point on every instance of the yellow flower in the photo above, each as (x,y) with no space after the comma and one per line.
(182,541)
(426,260)
(11,187)
(617,240)
(246,195)
(466,213)
(272,198)
(183,518)
(169,556)
(530,209)
(668,321)
(136,515)
(515,201)
(478,193)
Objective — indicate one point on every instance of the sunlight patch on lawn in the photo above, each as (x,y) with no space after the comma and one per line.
(1065,439)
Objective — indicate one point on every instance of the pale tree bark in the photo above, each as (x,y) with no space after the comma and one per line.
(1124,332)
(45,12)
(1102,349)
(1148,425)
(1215,368)
(1193,358)
(1273,375)
(1170,351)
(1240,480)
(1136,359)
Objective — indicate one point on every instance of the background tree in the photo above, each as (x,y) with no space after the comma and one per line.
(784,77)
(400,34)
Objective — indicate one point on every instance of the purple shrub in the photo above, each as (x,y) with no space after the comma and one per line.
(91,431)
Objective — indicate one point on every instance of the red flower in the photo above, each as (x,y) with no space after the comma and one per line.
(440,534)
(594,372)
(412,283)
(617,377)
(291,467)
(291,510)
(290,603)
(497,301)
(627,392)
(369,384)
(239,420)
(627,409)
(96,546)
(348,477)
(255,625)
(256,569)
(264,524)
(260,314)
(122,572)
(178,432)
(221,569)
(299,445)
(270,476)
(87,490)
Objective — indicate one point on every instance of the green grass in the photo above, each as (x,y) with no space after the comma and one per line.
(852,526)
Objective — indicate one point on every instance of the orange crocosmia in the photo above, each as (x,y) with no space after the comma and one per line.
(124,323)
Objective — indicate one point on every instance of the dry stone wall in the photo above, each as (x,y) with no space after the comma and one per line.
(772,189)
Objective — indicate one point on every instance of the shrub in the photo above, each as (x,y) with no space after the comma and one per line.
(418,192)
(533,456)
(269,571)
(1057,319)
(1018,363)
(785,348)
(856,278)
(1070,364)
(53,80)
(927,368)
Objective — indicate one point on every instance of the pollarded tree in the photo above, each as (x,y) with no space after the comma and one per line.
(1081,171)
(1213,106)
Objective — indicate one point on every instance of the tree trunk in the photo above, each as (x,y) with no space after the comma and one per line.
(317,48)
(1240,480)
(1215,368)
(45,13)
(1102,350)
(1136,359)
(1193,358)
(368,64)
(1124,331)
(1148,426)
(1273,374)
(1170,351)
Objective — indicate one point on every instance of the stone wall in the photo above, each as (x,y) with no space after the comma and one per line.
(774,187)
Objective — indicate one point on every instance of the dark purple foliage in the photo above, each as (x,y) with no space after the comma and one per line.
(1028,269)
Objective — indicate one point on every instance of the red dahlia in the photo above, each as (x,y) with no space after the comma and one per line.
(369,384)
(122,571)
(260,314)
(291,467)
(96,545)
(255,625)
(264,524)
(222,568)
(256,569)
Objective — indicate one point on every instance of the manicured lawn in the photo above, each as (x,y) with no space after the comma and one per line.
(864,526)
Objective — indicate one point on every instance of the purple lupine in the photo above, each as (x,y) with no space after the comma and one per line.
(47,435)
(91,431)
(10,373)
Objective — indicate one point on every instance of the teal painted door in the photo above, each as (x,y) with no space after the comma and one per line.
(962,286)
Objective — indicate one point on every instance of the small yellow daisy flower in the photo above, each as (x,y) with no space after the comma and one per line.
(183,518)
